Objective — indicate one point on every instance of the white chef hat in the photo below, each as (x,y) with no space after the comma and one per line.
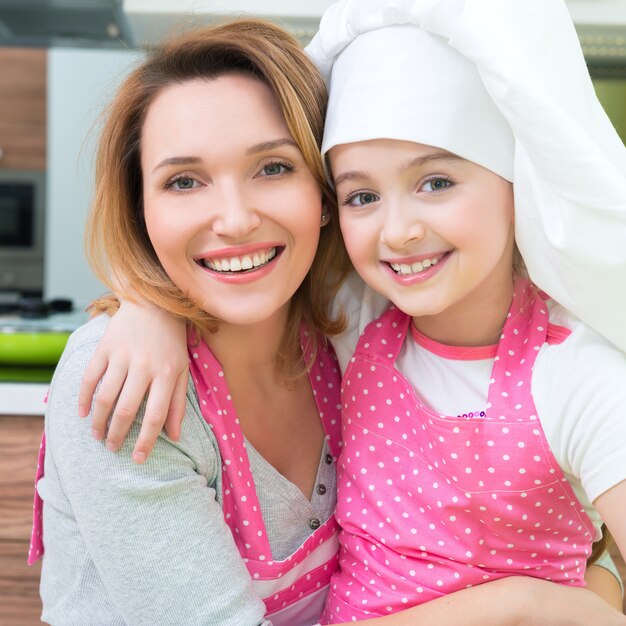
(502,83)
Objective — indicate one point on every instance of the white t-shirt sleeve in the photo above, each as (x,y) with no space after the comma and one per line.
(579,389)
(360,304)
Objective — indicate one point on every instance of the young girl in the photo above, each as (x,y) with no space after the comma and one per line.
(471,414)
(483,424)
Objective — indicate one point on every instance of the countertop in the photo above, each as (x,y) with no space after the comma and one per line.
(22,398)
(27,398)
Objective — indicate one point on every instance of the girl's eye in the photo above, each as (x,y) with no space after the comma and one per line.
(182,183)
(361,198)
(437,184)
(275,169)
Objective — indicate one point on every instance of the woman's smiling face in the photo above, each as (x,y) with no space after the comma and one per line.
(231,208)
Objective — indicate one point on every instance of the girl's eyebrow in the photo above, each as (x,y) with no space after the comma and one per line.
(351,175)
(440,155)
(416,162)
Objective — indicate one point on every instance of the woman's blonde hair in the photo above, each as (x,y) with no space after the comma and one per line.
(117,242)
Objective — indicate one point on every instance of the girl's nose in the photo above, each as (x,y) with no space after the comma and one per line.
(402,226)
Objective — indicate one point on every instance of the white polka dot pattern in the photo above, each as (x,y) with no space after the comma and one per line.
(242,510)
(429,504)
(36,547)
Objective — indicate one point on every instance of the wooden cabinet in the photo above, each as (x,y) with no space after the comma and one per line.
(23,108)
(19,584)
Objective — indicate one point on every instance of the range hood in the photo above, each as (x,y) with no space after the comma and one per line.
(601,24)
(99,23)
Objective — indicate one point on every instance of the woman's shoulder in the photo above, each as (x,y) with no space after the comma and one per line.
(78,352)
(79,349)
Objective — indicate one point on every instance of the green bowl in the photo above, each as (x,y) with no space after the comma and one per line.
(32,348)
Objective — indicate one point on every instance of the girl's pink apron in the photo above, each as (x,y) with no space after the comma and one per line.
(430,504)
(294,590)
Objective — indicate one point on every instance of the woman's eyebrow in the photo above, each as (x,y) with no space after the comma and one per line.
(258,147)
(270,145)
(182,160)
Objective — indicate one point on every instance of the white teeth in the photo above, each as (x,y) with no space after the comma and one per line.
(238,264)
(415,268)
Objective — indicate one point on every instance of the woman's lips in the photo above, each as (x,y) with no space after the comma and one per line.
(241,263)
(241,268)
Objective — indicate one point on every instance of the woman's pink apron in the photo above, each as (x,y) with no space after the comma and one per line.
(429,504)
(294,590)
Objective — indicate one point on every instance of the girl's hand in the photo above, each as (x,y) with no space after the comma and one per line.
(144,351)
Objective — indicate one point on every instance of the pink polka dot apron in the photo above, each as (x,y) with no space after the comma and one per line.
(294,590)
(35,549)
(428,503)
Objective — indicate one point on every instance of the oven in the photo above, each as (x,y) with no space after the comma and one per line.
(22,196)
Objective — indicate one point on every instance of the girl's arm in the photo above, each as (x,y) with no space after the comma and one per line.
(612,508)
(513,601)
(603,581)
(143,352)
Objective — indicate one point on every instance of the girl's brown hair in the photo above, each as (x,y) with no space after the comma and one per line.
(117,242)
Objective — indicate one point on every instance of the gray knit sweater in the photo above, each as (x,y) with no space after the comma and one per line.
(147,544)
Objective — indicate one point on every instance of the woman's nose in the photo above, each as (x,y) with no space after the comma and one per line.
(235,215)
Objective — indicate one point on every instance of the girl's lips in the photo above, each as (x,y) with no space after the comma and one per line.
(410,271)
(432,258)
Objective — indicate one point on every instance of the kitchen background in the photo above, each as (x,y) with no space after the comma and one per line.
(60,61)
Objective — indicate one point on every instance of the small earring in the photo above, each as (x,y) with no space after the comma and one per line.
(325,218)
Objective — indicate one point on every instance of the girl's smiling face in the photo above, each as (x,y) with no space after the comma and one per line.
(231,208)
(429,230)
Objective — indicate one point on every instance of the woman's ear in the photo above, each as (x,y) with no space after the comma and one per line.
(325,219)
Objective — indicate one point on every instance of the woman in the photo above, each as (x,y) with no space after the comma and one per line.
(224,223)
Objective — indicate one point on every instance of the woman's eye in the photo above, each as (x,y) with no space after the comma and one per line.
(361,199)
(436,184)
(274,169)
(182,183)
